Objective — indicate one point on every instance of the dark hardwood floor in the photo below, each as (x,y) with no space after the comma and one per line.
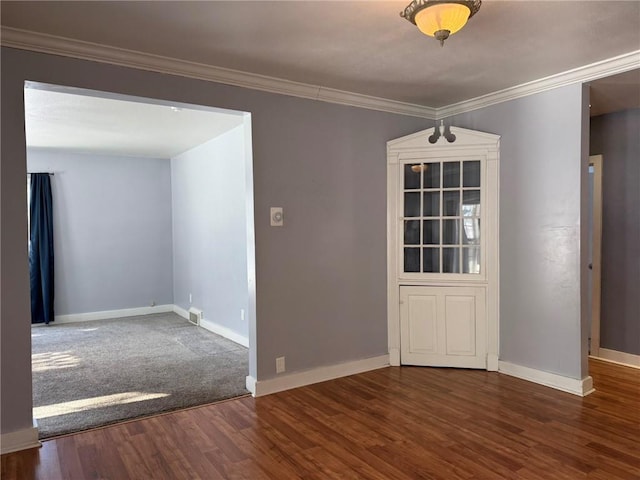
(394,423)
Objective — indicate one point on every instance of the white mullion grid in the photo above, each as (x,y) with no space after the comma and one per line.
(441,222)
(472,217)
(459,220)
(437,217)
(457,245)
(404,218)
(421,216)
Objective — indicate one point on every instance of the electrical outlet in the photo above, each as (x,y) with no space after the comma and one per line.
(190,298)
(277,216)
(242,314)
(280,365)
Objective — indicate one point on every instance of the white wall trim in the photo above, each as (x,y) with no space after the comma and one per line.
(44,43)
(20,439)
(280,383)
(581,388)
(55,45)
(106,314)
(250,383)
(622,358)
(178,310)
(586,73)
(215,328)
(224,332)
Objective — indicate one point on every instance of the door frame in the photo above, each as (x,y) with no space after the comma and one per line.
(596,255)
(452,142)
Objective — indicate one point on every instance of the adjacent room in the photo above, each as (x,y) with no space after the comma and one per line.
(139,278)
(614,172)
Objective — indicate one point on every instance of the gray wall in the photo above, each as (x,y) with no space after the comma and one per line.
(541,170)
(210,230)
(112,234)
(616,137)
(320,280)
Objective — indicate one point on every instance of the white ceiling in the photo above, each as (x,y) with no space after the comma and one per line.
(363,47)
(91,124)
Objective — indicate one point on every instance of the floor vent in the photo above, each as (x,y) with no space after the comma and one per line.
(195,315)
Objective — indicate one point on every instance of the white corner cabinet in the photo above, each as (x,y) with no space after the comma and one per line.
(442,241)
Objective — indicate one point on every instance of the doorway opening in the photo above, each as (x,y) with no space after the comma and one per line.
(595,250)
(153,218)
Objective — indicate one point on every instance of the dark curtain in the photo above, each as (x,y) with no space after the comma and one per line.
(41,248)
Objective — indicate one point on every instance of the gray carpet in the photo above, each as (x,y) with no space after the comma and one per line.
(132,367)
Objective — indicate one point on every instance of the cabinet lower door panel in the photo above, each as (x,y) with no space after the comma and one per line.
(443,326)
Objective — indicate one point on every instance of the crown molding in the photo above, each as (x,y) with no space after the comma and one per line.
(51,44)
(44,43)
(587,73)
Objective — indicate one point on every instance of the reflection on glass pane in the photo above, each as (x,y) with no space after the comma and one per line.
(431,204)
(471,231)
(412,204)
(471,260)
(412,176)
(431,234)
(450,260)
(430,259)
(450,174)
(471,203)
(471,174)
(451,203)
(411,259)
(450,232)
(412,232)
(431,175)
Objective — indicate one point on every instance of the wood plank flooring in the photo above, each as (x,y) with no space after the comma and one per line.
(395,423)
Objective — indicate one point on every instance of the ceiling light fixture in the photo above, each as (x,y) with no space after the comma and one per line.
(440,18)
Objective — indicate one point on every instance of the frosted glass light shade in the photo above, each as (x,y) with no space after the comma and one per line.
(444,16)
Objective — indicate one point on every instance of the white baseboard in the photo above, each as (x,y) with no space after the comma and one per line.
(250,383)
(215,328)
(280,383)
(181,311)
(134,312)
(581,388)
(107,314)
(20,440)
(623,358)
(224,332)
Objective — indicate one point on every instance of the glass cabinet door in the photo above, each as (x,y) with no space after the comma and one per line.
(441,217)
